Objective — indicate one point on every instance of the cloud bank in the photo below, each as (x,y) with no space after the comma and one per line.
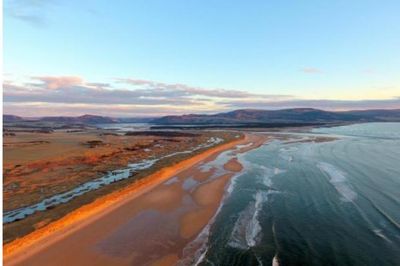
(72,95)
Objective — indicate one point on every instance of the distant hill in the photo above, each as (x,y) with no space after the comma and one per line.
(12,118)
(296,115)
(378,115)
(84,119)
(238,117)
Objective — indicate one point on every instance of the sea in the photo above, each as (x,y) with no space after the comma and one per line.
(125,127)
(312,203)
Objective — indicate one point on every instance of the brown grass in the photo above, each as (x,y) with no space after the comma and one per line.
(63,160)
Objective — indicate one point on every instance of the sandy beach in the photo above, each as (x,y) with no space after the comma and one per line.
(146,223)
(43,169)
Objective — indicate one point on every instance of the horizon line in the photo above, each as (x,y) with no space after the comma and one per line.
(199,113)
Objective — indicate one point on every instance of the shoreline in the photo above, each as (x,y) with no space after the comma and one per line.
(17,250)
(193,253)
(39,177)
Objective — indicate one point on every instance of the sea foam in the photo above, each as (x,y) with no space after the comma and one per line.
(339,181)
(275,261)
(246,232)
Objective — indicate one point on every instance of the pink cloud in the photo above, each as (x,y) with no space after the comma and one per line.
(70,94)
(59,82)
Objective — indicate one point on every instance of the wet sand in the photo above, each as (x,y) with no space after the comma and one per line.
(148,223)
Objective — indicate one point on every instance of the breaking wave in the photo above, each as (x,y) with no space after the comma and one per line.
(339,181)
(246,232)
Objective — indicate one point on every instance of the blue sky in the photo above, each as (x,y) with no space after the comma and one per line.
(127,58)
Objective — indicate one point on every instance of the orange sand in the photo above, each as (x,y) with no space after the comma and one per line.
(77,219)
(167,260)
(72,239)
(233,165)
(208,196)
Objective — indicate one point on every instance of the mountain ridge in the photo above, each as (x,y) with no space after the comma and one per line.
(293,115)
(240,116)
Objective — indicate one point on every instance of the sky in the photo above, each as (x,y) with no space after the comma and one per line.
(151,58)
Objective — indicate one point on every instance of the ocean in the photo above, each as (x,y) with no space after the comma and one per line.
(313,203)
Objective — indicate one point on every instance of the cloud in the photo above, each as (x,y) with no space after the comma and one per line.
(311,70)
(76,109)
(186,90)
(393,103)
(82,94)
(58,82)
(31,19)
(99,84)
(74,90)
(30,11)
(65,95)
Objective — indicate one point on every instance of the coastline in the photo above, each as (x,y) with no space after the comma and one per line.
(65,168)
(44,237)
